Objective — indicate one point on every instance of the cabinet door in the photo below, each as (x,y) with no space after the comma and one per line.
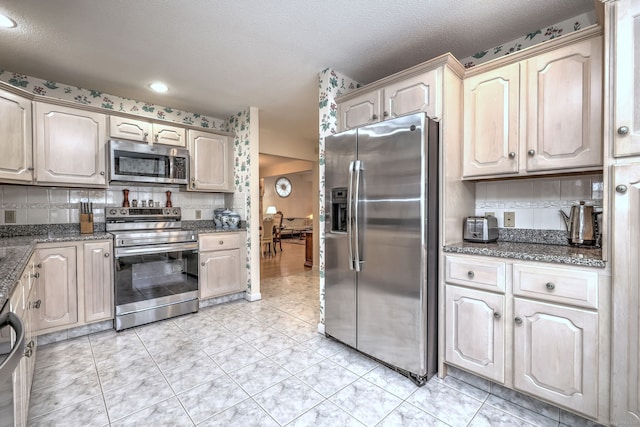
(169,135)
(491,122)
(211,158)
(98,281)
(15,138)
(480,348)
(555,354)
(413,95)
(136,130)
(359,111)
(626,64)
(57,288)
(70,146)
(625,354)
(564,108)
(219,273)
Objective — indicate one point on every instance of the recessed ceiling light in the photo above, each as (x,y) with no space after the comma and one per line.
(6,22)
(159,87)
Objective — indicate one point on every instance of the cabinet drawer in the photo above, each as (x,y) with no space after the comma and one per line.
(477,273)
(219,241)
(566,285)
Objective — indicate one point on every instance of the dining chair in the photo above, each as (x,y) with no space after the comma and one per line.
(267,236)
(277,228)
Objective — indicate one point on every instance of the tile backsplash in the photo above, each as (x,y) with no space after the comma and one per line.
(536,201)
(44,205)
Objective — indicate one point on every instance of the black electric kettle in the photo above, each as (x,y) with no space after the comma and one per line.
(582,225)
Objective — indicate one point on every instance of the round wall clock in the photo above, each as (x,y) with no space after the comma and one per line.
(283,186)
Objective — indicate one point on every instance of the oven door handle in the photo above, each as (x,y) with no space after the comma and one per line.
(155,249)
(13,359)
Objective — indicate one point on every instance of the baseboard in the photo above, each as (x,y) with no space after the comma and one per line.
(252,297)
(321,328)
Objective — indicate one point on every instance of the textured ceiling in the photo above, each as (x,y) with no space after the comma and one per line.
(219,57)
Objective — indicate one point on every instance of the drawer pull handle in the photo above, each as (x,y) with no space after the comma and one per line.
(470,273)
(518,321)
(37,304)
(28,352)
(221,242)
(106,255)
(550,286)
(497,315)
(36,275)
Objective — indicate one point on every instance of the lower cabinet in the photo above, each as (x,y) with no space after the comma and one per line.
(75,284)
(538,332)
(222,267)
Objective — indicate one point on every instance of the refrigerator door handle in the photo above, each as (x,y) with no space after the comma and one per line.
(356,199)
(349,216)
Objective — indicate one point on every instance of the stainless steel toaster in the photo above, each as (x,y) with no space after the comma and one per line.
(482,229)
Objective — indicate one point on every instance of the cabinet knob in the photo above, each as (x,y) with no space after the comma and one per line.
(31,344)
(30,168)
(193,185)
(157,137)
(385,114)
(470,274)
(39,265)
(36,275)
(550,286)
(621,188)
(221,242)
(512,155)
(37,304)
(107,255)
(374,117)
(202,264)
(144,137)
(101,173)
(531,153)
(518,321)
(623,130)
(497,315)
(28,352)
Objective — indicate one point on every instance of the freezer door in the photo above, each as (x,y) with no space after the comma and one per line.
(391,287)
(340,279)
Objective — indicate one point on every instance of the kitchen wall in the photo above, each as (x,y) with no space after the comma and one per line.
(299,204)
(536,201)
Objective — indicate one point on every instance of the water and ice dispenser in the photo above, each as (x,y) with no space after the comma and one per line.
(339,209)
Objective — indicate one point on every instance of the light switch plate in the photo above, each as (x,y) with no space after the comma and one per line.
(509,219)
(198,214)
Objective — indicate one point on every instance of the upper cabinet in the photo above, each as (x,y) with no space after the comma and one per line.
(145,131)
(392,98)
(539,115)
(626,72)
(69,146)
(211,162)
(16,162)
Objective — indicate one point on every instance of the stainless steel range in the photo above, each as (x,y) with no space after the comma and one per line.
(156,265)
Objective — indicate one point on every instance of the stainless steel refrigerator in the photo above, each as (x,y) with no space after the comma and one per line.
(381,242)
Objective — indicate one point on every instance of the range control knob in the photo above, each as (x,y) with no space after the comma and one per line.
(176,211)
(123,211)
(113,211)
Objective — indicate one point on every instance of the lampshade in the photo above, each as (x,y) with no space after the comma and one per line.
(271,210)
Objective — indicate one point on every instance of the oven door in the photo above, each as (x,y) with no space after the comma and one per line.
(154,282)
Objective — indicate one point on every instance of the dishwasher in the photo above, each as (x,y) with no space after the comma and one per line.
(11,351)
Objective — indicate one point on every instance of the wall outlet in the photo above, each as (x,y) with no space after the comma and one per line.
(198,214)
(509,219)
(489,214)
(9,217)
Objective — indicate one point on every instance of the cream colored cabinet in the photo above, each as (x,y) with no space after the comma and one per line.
(492,122)
(211,162)
(69,146)
(145,131)
(222,267)
(98,281)
(626,72)
(532,327)
(57,288)
(397,97)
(536,116)
(480,348)
(625,387)
(16,160)
(555,354)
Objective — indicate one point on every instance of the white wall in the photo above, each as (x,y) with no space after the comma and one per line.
(299,204)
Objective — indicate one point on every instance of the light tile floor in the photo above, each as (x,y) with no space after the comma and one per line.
(244,364)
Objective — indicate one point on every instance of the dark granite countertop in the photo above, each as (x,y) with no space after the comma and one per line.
(557,254)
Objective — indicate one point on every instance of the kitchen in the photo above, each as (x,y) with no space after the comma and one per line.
(465,210)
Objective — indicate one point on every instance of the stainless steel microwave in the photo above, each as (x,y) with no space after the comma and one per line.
(140,162)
